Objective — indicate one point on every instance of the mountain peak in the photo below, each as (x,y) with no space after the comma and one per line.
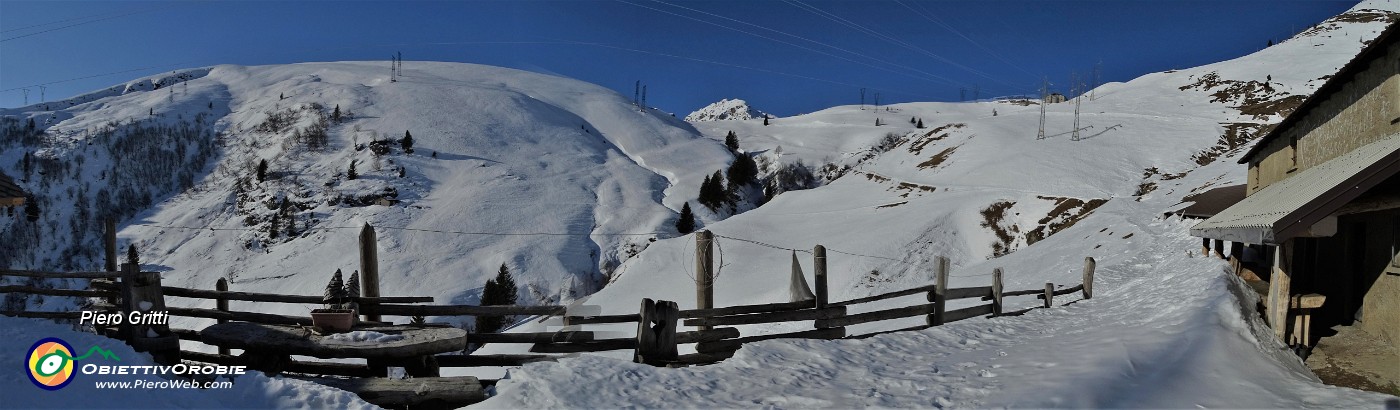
(725,109)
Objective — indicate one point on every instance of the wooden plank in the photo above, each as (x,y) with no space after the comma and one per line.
(743,309)
(434,392)
(296,366)
(276,298)
(883,296)
(460,310)
(1308,301)
(707,335)
(600,319)
(294,340)
(68,275)
(57,292)
(1019,293)
(186,334)
(887,314)
(268,318)
(540,337)
(968,313)
(221,304)
(769,317)
(733,344)
(1062,292)
(968,293)
(41,315)
(907,329)
(594,346)
(493,360)
(656,332)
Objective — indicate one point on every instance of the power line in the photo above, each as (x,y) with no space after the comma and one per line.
(400,228)
(67,26)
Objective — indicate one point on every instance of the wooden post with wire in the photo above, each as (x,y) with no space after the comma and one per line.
(704,272)
(819,267)
(369,266)
(222,305)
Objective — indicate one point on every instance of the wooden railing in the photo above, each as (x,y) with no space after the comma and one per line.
(656,342)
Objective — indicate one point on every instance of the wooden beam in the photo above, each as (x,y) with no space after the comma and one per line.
(895,313)
(968,313)
(278,298)
(819,271)
(41,315)
(540,337)
(883,296)
(600,319)
(711,335)
(268,318)
(57,292)
(734,344)
(996,292)
(461,310)
(768,317)
(434,392)
(745,309)
(1279,281)
(939,296)
(65,275)
(1089,265)
(594,346)
(493,360)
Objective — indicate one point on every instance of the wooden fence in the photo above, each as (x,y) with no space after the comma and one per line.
(715,337)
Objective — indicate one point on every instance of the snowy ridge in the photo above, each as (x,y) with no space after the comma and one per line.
(726,110)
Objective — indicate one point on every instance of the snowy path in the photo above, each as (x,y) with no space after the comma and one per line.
(1161,323)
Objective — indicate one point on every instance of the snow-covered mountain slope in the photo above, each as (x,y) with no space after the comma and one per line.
(495,153)
(725,110)
(1166,328)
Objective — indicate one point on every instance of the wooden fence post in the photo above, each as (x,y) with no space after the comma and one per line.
(1049,294)
(939,296)
(369,266)
(704,272)
(141,292)
(109,245)
(1089,265)
(222,305)
(819,267)
(656,333)
(996,292)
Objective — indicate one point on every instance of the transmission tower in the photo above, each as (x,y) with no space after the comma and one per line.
(393,68)
(42,90)
(26,96)
(637,93)
(862,98)
(1078,96)
(1044,84)
(644,97)
(1097,70)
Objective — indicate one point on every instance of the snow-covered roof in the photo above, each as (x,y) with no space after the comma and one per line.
(1289,207)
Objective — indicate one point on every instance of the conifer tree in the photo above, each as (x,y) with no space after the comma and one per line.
(272,229)
(351,174)
(407,142)
(921,124)
(31,209)
(335,292)
(731,140)
(498,291)
(131,256)
(686,223)
(765,120)
(335,115)
(262,170)
(704,197)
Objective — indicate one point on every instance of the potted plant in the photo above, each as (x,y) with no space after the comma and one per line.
(334,317)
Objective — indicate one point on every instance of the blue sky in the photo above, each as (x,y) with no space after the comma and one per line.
(785,57)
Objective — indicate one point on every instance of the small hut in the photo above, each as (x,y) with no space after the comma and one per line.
(10,194)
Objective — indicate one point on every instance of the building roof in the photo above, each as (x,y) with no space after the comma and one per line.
(1209,203)
(1288,208)
(1375,50)
(9,190)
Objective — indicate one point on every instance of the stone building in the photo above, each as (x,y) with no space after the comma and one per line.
(1322,205)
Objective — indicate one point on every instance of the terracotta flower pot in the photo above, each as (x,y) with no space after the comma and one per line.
(333,320)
